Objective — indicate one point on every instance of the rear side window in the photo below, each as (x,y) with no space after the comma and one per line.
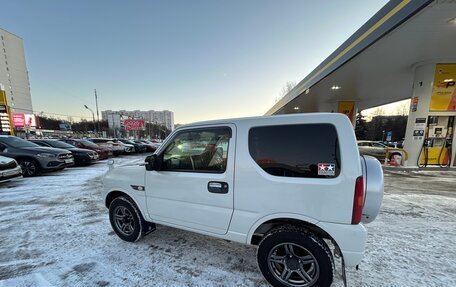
(307,150)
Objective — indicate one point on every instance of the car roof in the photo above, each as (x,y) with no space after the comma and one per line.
(271,120)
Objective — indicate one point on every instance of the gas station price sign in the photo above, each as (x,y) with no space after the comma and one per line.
(5,123)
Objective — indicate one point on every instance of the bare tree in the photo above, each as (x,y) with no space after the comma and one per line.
(379,111)
(404,108)
(286,89)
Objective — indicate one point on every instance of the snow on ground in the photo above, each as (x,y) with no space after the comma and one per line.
(55,231)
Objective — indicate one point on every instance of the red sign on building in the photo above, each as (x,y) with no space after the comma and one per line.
(23,120)
(18,120)
(134,125)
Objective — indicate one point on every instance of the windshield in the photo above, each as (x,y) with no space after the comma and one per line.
(58,144)
(17,142)
(88,143)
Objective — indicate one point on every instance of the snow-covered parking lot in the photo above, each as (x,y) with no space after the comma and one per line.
(55,231)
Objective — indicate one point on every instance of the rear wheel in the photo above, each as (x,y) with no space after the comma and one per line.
(290,256)
(29,167)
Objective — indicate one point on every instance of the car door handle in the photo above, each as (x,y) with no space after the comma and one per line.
(217,187)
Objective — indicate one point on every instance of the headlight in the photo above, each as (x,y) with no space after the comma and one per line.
(48,155)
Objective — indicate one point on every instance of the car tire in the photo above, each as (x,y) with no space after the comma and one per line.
(29,167)
(292,256)
(126,219)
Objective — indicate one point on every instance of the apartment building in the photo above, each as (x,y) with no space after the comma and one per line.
(165,118)
(14,79)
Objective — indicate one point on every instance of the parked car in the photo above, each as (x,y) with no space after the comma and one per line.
(376,149)
(150,146)
(117,149)
(9,169)
(81,156)
(33,158)
(257,181)
(103,153)
(138,146)
(372,148)
(128,148)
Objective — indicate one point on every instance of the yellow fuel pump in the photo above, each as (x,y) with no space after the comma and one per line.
(437,143)
(446,150)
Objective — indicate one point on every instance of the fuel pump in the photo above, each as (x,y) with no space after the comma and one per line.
(423,158)
(436,149)
(446,149)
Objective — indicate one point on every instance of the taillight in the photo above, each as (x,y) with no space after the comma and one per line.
(358,201)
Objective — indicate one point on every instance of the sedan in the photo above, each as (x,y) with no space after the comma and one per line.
(117,148)
(138,146)
(103,153)
(150,146)
(81,156)
(377,150)
(33,158)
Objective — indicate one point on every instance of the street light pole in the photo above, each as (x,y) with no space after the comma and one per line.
(93,117)
(96,105)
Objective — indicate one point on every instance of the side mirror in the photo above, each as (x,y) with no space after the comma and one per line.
(2,147)
(153,162)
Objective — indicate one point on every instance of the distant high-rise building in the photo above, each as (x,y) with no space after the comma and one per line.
(164,118)
(13,73)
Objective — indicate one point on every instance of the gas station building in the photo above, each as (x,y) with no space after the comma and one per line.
(407,50)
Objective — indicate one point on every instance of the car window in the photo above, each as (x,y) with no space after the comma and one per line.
(17,142)
(41,143)
(377,145)
(58,144)
(202,150)
(306,150)
(87,143)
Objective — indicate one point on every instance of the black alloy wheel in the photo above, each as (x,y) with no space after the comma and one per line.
(29,167)
(293,257)
(126,220)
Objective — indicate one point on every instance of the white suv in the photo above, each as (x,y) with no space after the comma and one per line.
(293,185)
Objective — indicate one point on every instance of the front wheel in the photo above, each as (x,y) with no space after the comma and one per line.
(293,257)
(29,167)
(126,220)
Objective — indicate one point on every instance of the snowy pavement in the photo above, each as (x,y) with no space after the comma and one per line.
(55,231)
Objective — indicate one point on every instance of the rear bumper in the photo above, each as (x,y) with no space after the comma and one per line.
(351,240)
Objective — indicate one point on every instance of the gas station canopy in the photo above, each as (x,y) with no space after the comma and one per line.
(375,66)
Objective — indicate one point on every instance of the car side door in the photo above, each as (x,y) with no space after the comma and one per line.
(193,188)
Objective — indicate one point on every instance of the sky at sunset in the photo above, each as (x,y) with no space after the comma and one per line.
(201,59)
